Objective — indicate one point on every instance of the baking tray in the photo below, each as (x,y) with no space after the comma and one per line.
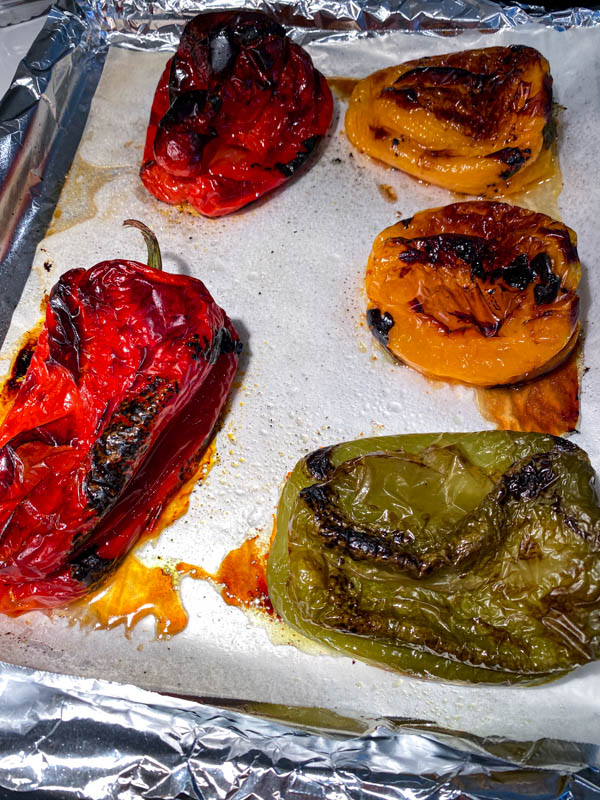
(311,374)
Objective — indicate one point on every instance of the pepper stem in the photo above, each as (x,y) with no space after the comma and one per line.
(154,257)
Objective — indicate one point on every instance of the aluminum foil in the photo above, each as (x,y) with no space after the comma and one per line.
(13,11)
(80,738)
(70,737)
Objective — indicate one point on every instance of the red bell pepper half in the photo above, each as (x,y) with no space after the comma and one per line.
(237,111)
(129,376)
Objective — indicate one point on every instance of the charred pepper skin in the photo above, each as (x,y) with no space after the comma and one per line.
(479,292)
(128,378)
(470,557)
(238,110)
(477,122)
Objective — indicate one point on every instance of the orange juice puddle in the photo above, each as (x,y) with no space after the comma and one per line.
(137,590)
(343,87)
(548,404)
(542,185)
(242,576)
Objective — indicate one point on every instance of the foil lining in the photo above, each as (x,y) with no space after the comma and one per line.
(13,11)
(66,738)
(70,737)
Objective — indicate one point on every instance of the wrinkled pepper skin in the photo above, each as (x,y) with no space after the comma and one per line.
(480,292)
(238,110)
(129,376)
(470,557)
(476,122)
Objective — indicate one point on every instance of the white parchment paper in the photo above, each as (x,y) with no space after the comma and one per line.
(289,271)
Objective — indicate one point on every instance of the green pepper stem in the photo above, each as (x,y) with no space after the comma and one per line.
(154,257)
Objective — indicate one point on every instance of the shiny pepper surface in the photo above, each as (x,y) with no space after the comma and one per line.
(128,377)
(480,292)
(238,110)
(471,557)
(477,121)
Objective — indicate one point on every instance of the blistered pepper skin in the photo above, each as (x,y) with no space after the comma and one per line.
(479,292)
(470,557)
(237,112)
(476,122)
(128,378)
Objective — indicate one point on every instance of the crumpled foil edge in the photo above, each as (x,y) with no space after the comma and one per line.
(88,738)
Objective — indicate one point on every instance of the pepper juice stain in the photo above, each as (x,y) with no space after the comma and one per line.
(138,590)
(18,369)
(548,404)
(77,202)
(542,192)
(343,87)
(387,192)
(135,592)
(242,575)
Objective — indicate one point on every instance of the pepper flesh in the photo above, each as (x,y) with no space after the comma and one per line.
(237,111)
(476,122)
(480,292)
(471,557)
(129,375)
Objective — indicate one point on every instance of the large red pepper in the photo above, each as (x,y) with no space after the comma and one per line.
(237,111)
(128,378)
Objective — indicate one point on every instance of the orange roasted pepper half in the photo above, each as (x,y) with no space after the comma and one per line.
(480,292)
(477,122)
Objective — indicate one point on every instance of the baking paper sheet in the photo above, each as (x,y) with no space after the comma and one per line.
(289,271)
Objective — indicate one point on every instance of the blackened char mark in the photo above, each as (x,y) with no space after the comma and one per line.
(521,272)
(445,248)
(547,290)
(185,130)
(224,343)
(518,274)
(380,324)
(124,442)
(199,348)
(529,480)
(564,445)
(451,94)
(481,256)
(188,107)
(64,340)
(89,568)
(319,463)
(361,542)
(20,367)
(294,165)
(379,133)
(228,344)
(513,158)
(443,76)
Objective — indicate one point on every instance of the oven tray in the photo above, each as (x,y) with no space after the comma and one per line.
(223,656)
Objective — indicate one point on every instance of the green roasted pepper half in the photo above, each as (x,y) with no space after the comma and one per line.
(471,557)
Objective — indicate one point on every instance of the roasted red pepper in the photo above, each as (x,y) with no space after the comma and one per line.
(237,111)
(128,378)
